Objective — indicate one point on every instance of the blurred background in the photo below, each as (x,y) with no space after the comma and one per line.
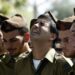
(32,8)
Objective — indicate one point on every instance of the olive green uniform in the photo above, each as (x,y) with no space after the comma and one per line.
(2,57)
(7,65)
(26,67)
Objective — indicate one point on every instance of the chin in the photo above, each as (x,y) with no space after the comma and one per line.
(11,54)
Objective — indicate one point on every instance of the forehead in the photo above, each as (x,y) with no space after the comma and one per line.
(67,33)
(42,22)
(11,34)
(63,34)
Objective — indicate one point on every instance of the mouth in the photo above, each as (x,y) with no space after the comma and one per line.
(36,32)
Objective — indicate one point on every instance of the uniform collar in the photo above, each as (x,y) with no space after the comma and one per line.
(22,55)
(7,58)
(50,55)
(69,61)
(2,56)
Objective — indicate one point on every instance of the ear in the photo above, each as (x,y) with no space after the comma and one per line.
(52,36)
(26,37)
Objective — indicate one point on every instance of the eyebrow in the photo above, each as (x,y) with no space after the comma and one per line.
(13,39)
(10,39)
(73,30)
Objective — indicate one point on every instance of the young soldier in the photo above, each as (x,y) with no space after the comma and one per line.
(67,35)
(41,60)
(15,36)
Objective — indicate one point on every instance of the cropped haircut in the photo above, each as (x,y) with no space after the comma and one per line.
(52,27)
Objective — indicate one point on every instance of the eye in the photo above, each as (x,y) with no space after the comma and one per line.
(73,34)
(66,39)
(41,23)
(4,40)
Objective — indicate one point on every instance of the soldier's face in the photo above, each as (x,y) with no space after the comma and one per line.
(13,42)
(68,40)
(40,30)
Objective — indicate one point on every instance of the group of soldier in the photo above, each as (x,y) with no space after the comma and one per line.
(48,49)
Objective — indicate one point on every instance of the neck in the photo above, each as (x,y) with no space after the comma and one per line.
(40,49)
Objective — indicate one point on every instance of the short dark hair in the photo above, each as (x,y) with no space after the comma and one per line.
(33,21)
(45,17)
(2,18)
(53,28)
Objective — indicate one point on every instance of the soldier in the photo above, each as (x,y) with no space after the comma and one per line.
(15,38)
(67,31)
(41,60)
(2,49)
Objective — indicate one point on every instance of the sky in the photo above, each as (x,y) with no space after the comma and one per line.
(44,5)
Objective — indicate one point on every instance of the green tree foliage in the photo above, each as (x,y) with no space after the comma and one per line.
(19,3)
(6,6)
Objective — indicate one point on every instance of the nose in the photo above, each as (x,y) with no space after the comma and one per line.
(36,25)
